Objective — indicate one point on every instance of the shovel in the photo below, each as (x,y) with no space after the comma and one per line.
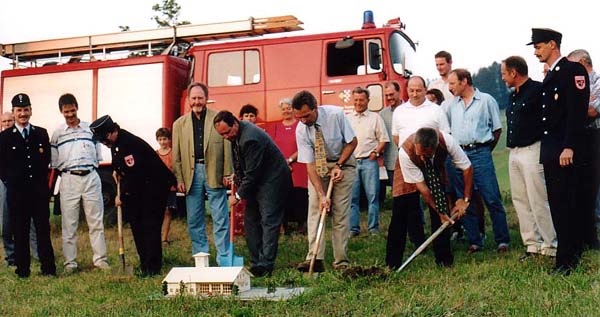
(231,259)
(320,229)
(427,242)
(123,269)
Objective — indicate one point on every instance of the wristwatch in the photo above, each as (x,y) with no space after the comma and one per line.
(339,165)
(376,153)
(237,196)
(290,160)
(466,199)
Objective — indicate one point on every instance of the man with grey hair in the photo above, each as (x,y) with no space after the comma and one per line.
(590,193)
(422,158)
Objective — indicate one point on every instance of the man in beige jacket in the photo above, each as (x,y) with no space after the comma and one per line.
(201,157)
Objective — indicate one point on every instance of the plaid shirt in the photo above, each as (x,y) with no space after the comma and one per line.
(74,149)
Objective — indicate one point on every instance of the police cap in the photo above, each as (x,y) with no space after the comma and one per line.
(21,100)
(544,35)
(101,127)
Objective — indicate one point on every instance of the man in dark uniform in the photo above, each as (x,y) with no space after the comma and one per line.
(565,95)
(263,178)
(24,160)
(145,182)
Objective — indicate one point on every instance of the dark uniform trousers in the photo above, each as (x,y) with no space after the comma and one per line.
(590,180)
(564,98)
(145,184)
(24,168)
(145,216)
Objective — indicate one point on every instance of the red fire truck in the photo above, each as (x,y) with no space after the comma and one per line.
(144,93)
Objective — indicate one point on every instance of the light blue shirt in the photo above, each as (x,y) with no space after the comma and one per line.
(336,130)
(595,97)
(74,148)
(20,129)
(475,123)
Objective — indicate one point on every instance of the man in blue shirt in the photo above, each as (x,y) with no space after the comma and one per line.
(339,141)
(475,123)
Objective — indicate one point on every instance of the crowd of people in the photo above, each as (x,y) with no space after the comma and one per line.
(434,149)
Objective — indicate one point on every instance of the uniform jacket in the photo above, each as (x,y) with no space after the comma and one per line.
(24,165)
(142,172)
(565,96)
(261,169)
(217,152)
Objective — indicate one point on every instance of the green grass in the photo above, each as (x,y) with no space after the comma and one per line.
(483,284)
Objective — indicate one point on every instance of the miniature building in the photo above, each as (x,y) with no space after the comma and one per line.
(205,280)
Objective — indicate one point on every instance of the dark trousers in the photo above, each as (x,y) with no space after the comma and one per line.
(262,220)
(562,184)
(295,208)
(589,172)
(406,218)
(145,216)
(25,206)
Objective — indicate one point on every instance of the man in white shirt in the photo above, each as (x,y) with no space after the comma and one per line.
(443,64)
(422,158)
(416,113)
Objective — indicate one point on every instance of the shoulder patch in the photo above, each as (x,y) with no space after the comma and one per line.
(129,161)
(580,82)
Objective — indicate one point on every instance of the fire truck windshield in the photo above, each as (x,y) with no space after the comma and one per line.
(402,54)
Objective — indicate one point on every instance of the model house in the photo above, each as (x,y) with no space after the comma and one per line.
(207,281)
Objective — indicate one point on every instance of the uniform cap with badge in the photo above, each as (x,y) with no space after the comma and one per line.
(539,35)
(21,100)
(101,127)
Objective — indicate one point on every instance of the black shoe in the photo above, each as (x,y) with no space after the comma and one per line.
(561,270)
(317,267)
(526,256)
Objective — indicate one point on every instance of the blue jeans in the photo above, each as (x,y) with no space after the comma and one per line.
(367,175)
(217,200)
(484,179)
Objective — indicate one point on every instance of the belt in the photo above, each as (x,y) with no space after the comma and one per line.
(78,172)
(473,146)
(200,161)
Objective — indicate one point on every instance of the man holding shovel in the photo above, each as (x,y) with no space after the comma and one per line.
(263,178)
(422,158)
(325,143)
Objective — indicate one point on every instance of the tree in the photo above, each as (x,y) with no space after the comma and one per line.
(489,80)
(168,14)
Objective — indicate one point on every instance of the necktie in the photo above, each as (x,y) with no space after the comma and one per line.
(25,134)
(237,166)
(433,182)
(320,154)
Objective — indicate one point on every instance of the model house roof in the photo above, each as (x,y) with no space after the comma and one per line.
(204,274)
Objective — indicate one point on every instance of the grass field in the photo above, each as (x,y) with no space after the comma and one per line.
(483,284)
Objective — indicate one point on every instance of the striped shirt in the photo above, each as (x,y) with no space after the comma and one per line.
(74,148)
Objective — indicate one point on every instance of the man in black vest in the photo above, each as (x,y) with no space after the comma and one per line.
(565,95)
(422,159)
(24,161)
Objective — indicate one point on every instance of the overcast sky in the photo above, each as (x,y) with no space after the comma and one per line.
(475,32)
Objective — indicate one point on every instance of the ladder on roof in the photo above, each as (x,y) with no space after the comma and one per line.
(131,40)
